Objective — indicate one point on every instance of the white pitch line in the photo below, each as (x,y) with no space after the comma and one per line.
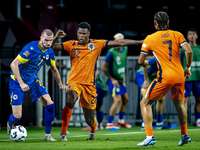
(112,134)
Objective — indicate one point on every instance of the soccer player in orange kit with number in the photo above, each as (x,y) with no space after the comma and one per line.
(165,45)
(84,54)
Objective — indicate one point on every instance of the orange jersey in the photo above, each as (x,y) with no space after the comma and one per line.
(165,45)
(83,60)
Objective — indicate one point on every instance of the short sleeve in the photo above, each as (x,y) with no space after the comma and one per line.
(25,55)
(66,45)
(146,46)
(103,43)
(108,57)
(182,39)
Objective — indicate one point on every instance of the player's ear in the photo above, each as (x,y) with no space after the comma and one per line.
(168,22)
(155,24)
(88,33)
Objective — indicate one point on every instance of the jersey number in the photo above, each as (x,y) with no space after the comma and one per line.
(76,53)
(170,48)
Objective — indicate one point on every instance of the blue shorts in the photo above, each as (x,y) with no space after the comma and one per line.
(17,95)
(193,86)
(100,95)
(121,90)
(139,79)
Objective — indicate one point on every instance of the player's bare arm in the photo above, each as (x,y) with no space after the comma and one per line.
(146,77)
(142,60)
(105,70)
(14,66)
(56,76)
(57,46)
(189,57)
(124,42)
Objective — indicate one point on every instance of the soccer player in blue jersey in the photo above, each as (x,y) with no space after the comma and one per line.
(23,80)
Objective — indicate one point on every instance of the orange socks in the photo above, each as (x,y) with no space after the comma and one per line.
(66,115)
(94,126)
(149,130)
(183,129)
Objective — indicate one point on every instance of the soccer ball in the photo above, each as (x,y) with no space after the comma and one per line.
(18,134)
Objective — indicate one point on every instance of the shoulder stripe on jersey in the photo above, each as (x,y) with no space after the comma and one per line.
(21,59)
(144,52)
(183,43)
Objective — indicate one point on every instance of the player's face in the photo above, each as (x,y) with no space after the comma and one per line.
(46,41)
(119,38)
(83,35)
(192,36)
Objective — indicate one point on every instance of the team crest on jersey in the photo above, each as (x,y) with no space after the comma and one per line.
(26,53)
(47,57)
(91,46)
(69,87)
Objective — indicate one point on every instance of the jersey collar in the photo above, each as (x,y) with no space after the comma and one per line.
(85,43)
(41,48)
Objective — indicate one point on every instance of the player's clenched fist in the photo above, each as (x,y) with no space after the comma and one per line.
(60,34)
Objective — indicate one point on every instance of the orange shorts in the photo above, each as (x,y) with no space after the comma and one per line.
(157,90)
(87,94)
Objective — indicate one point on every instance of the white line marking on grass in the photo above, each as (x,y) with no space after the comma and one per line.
(4,140)
(134,132)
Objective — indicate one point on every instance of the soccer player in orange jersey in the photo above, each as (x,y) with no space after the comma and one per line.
(84,54)
(165,45)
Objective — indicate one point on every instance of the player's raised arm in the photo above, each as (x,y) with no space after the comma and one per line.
(57,46)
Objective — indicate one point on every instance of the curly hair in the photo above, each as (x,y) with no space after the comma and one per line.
(162,18)
(84,25)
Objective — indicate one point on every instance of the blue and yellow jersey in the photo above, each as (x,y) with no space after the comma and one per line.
(32,58)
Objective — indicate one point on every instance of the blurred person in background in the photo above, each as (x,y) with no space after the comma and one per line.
(114,68)
(193,83)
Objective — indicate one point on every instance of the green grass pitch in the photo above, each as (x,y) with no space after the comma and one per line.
(105,139)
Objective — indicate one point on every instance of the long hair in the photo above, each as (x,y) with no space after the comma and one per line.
(162,18)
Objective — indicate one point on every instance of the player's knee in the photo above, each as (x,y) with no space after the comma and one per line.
(71,98)
(70,104)
(142,104)
(17,115)
(118,101)
(125,101)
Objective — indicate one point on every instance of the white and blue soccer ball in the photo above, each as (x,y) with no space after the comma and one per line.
(18,134)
